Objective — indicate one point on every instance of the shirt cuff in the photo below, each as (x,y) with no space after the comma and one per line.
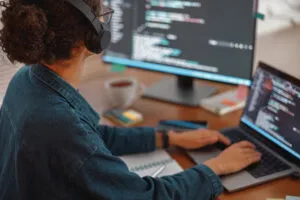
(213,178)
(148,139)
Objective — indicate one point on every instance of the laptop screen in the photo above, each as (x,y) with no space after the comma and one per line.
(273,108)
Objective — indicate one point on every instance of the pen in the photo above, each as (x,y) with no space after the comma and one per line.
(159,171)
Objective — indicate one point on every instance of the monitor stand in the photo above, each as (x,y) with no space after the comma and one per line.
(182,91)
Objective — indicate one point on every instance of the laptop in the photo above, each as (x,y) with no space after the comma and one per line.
(271,120)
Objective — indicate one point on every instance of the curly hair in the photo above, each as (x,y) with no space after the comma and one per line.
(36,31)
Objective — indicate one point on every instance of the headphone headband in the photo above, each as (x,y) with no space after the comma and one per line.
(86,10)
(99,39)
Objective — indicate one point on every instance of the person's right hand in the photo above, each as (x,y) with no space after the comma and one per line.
(234,158)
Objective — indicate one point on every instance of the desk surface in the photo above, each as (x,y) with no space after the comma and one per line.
(93,91)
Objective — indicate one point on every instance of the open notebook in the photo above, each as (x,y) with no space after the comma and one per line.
(146,164)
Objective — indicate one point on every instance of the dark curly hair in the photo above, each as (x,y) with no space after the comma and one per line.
(36,31)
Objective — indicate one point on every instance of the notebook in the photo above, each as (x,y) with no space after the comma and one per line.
(224,103)
(292,198)
(146,164)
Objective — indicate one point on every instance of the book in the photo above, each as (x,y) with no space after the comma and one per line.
(287,198)
(274,199)
(224,103)
(292,198)
(146,164)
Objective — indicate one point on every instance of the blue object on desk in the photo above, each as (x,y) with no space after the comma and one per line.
(184,124)
(180,126)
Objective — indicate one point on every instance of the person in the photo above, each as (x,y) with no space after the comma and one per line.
(51,143)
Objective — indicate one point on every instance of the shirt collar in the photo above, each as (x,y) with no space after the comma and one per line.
(64,89)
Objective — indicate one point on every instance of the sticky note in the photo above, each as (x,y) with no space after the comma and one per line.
(117,68)
(228,102)
(260,16)
(292,198)
(133,115)
(130,115)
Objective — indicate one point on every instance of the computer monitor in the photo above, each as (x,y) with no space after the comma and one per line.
(206,39)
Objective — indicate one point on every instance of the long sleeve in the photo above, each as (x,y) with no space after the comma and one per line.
(128,140)
(71,161)
(105,176)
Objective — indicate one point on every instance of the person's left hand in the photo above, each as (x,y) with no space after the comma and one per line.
(197,139)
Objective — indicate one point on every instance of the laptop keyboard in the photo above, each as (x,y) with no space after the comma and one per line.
(268,165)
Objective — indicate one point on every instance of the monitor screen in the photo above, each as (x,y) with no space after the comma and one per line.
(273,110)
(205,39)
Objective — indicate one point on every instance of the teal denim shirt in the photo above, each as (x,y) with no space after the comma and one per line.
(52,147)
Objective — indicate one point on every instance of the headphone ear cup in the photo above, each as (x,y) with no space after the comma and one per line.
(105,39)
(96,43)
(92,41)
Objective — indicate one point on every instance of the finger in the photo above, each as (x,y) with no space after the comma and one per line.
(249,151)
(209,140)
(223,139)
(246,144)
(251,155)
(254,159)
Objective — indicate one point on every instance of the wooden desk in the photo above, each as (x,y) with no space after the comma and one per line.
(153,111)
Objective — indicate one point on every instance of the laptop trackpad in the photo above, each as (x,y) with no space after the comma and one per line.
(204,154)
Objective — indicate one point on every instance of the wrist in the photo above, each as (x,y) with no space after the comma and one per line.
(159,140)
(213,166)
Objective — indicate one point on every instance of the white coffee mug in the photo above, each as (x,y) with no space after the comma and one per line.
(123,92)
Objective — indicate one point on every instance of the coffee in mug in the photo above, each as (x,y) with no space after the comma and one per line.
(121,83)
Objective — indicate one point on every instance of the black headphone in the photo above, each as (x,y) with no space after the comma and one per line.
(99,39)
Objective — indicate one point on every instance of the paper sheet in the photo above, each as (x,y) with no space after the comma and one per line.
(146,164)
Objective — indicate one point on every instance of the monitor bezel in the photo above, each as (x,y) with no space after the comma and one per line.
(281,151)
(255,9)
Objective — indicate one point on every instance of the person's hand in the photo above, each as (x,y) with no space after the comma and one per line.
(197,139)
(235,158)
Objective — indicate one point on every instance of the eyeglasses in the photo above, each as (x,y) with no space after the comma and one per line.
(106,14)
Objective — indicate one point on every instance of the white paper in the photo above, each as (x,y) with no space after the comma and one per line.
(146,164)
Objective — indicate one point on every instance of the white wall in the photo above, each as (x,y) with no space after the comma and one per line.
(278,41)
(278,15)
